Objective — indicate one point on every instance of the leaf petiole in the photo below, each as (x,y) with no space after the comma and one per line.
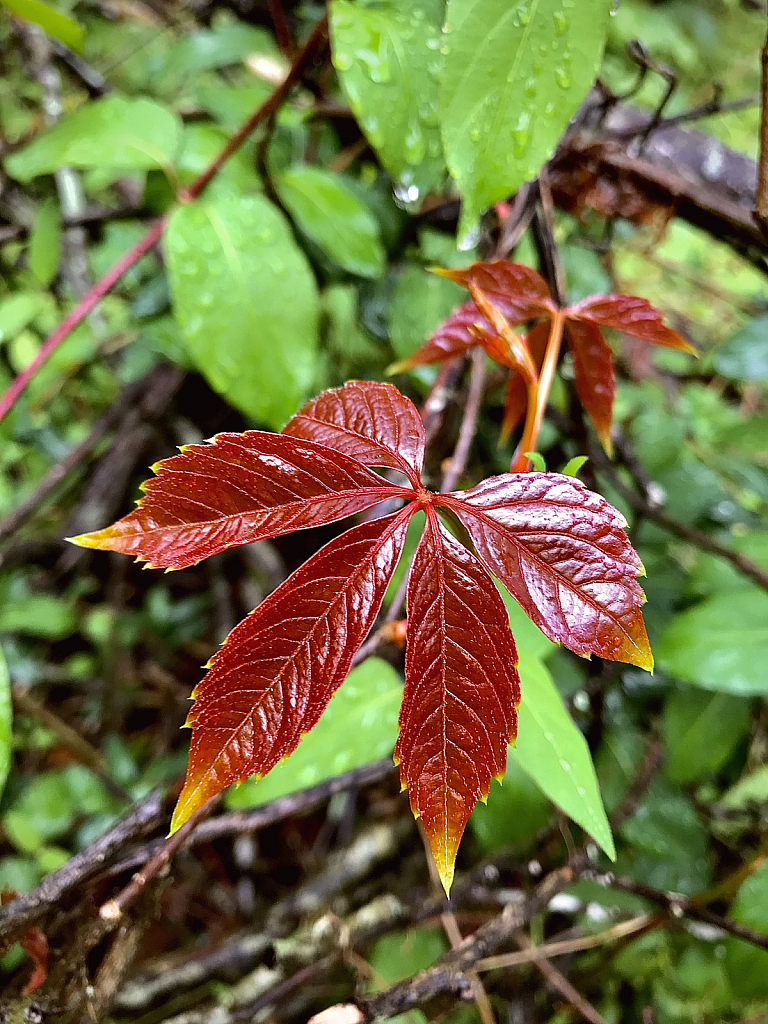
(538,394)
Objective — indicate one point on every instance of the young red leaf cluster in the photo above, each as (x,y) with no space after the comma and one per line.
(559,549)
(506,295)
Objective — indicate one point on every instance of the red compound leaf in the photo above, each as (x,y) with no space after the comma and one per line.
(370,422)
(237,489)
(562,552)
(461,689)
(593,371)
(632,315)
(455,336)
(279,667)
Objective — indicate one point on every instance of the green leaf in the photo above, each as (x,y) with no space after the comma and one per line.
(44,250)
(711,574)
(17,311)
(750,789)
(555,754)
(514,812)
(332,216)
(225,43)
(56,24)
(572,467)
(246,301)
(745,355)
(6,718)
(401,954)
(515,73)
(387,55)
(201,144)
(701,731)
(747,966)
(528,636)
(720,644)
(116,131)
(38,615)
(358,726)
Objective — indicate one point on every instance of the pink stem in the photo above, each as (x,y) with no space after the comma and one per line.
(78,314)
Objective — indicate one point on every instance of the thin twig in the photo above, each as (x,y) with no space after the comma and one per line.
(562,947)
(468,428)
(113,909)
(280,24)
(558,981)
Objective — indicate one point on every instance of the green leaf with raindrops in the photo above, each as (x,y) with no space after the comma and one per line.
(327,211)
(515,73)
(359,726)
(246,301)
(554,753)
(117,131)
(387,54)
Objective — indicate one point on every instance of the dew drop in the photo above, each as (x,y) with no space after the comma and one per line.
(530,87)
(343,61)
(414,146)
(562,22)
(562,78)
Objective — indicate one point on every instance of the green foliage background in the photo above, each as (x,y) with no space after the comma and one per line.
(303,264)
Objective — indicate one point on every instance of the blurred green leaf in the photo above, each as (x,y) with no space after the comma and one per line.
(232,105)
(40,615)
(333,217)
(17,311)
(227,42)
(116,131)
(358,726)
(388,58)
(6,720)
(528,636)
(49,804)
(56,24)
(745,355)
(246,301)
(515,74)
(711,574)
(746,965)
(701,731)
(201,144)
(44,251)
(720,644)
(750,789)
(555,754)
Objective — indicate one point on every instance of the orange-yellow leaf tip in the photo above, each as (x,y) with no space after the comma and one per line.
(399,367)
(443,271)
(445,860)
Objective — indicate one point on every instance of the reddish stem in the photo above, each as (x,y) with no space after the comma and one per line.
(280,23)
(539,395)
(79,313)
(309,50)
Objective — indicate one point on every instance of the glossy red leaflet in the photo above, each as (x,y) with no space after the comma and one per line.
(367,421)
(516,291)
(457,334)
(461,689)
(562,552)
(594,375)
(278,669)
(632,315)
(237,489)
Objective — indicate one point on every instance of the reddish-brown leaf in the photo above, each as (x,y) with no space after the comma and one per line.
(35,943)
(237,489)
(594,376)
(461,689)
(280,666)
(367,421)
(632,315)
(562,552)
(454,337)
(517,393)
(516,291)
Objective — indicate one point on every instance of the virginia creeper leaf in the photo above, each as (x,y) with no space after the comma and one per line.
(632,315)
(515,73)
(280,666)
(238,489)
(516,291)
(554,753)
(461,690)
(370,422)
(562,553)
(594,376)
(358,726)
